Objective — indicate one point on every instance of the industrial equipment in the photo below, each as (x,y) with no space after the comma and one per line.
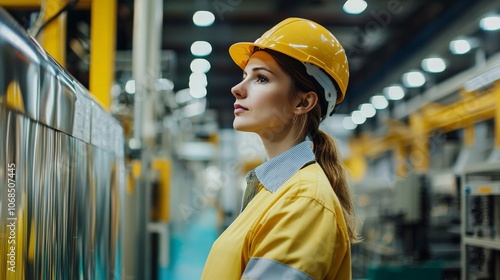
(61,169)
(481,222)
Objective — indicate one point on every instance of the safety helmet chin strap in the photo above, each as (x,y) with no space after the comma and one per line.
(326,83)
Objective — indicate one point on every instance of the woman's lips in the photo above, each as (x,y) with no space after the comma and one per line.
(239,109)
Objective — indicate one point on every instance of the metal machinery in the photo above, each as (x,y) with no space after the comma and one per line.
(429,184)
(481,222)
(107,203)
(61,169)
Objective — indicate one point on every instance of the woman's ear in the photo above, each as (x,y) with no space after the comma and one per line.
(306,103)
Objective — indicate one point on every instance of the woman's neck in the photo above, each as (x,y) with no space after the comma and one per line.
(279,143)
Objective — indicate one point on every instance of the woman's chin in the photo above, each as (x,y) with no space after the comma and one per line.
(238,125)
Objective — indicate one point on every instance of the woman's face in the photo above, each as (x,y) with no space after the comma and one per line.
(263,97)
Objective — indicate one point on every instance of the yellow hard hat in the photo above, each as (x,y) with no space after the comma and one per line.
(304,40)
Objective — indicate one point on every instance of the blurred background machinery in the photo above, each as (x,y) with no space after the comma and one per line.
(481,222)
(428,195)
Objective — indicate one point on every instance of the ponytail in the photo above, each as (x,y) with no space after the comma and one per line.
(328,157)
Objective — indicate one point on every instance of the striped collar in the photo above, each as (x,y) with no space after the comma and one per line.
(273,173)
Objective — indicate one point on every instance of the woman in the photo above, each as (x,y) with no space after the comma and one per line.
(299,220)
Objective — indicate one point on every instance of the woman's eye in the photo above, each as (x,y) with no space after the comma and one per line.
(262,79)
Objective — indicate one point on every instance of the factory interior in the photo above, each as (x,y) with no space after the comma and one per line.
(119,160)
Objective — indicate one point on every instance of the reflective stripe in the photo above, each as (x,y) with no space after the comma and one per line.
(261,268)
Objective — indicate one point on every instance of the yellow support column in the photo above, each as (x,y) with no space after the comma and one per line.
(469,135)
(35,4)
(356,162)
(164,168)
(400,159)
(419,156)
(14,97)
(102,50)
(497,114)
(20,3)
(54,35)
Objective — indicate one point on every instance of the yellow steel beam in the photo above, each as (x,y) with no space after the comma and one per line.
(34,4)
(369,146)
(29,4)
(462,113)
(102,50)
(374,146)
(53,38)
(472,108)
(378,146)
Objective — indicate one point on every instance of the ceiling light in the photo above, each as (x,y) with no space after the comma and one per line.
(394,92)
(183,96)
(433,65)
(357,117)
(200,65)
(201,48)
(490,23)
(203,18)
(413,79)
(198,92)
(379,102)
(348,123)
(198,79)
(194,109)
(460,46)
(130,87)
(354,6)
(367,110)
(163,84)
(116,89)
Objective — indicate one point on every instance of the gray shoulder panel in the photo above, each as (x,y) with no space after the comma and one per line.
(261,268)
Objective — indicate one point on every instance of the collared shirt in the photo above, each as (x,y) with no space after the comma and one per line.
(273,173)
(292,229)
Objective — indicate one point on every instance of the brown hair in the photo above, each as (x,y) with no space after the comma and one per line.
(325,149)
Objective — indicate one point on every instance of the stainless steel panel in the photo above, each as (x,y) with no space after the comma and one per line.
(47,100)
(65,104)
(20,63)
(67,196)
(47,89)
(69,170)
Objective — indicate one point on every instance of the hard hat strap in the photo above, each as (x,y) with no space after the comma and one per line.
(327,85)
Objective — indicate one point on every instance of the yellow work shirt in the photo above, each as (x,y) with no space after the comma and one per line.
(296,232)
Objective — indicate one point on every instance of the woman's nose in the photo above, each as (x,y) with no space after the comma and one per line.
(239,91)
